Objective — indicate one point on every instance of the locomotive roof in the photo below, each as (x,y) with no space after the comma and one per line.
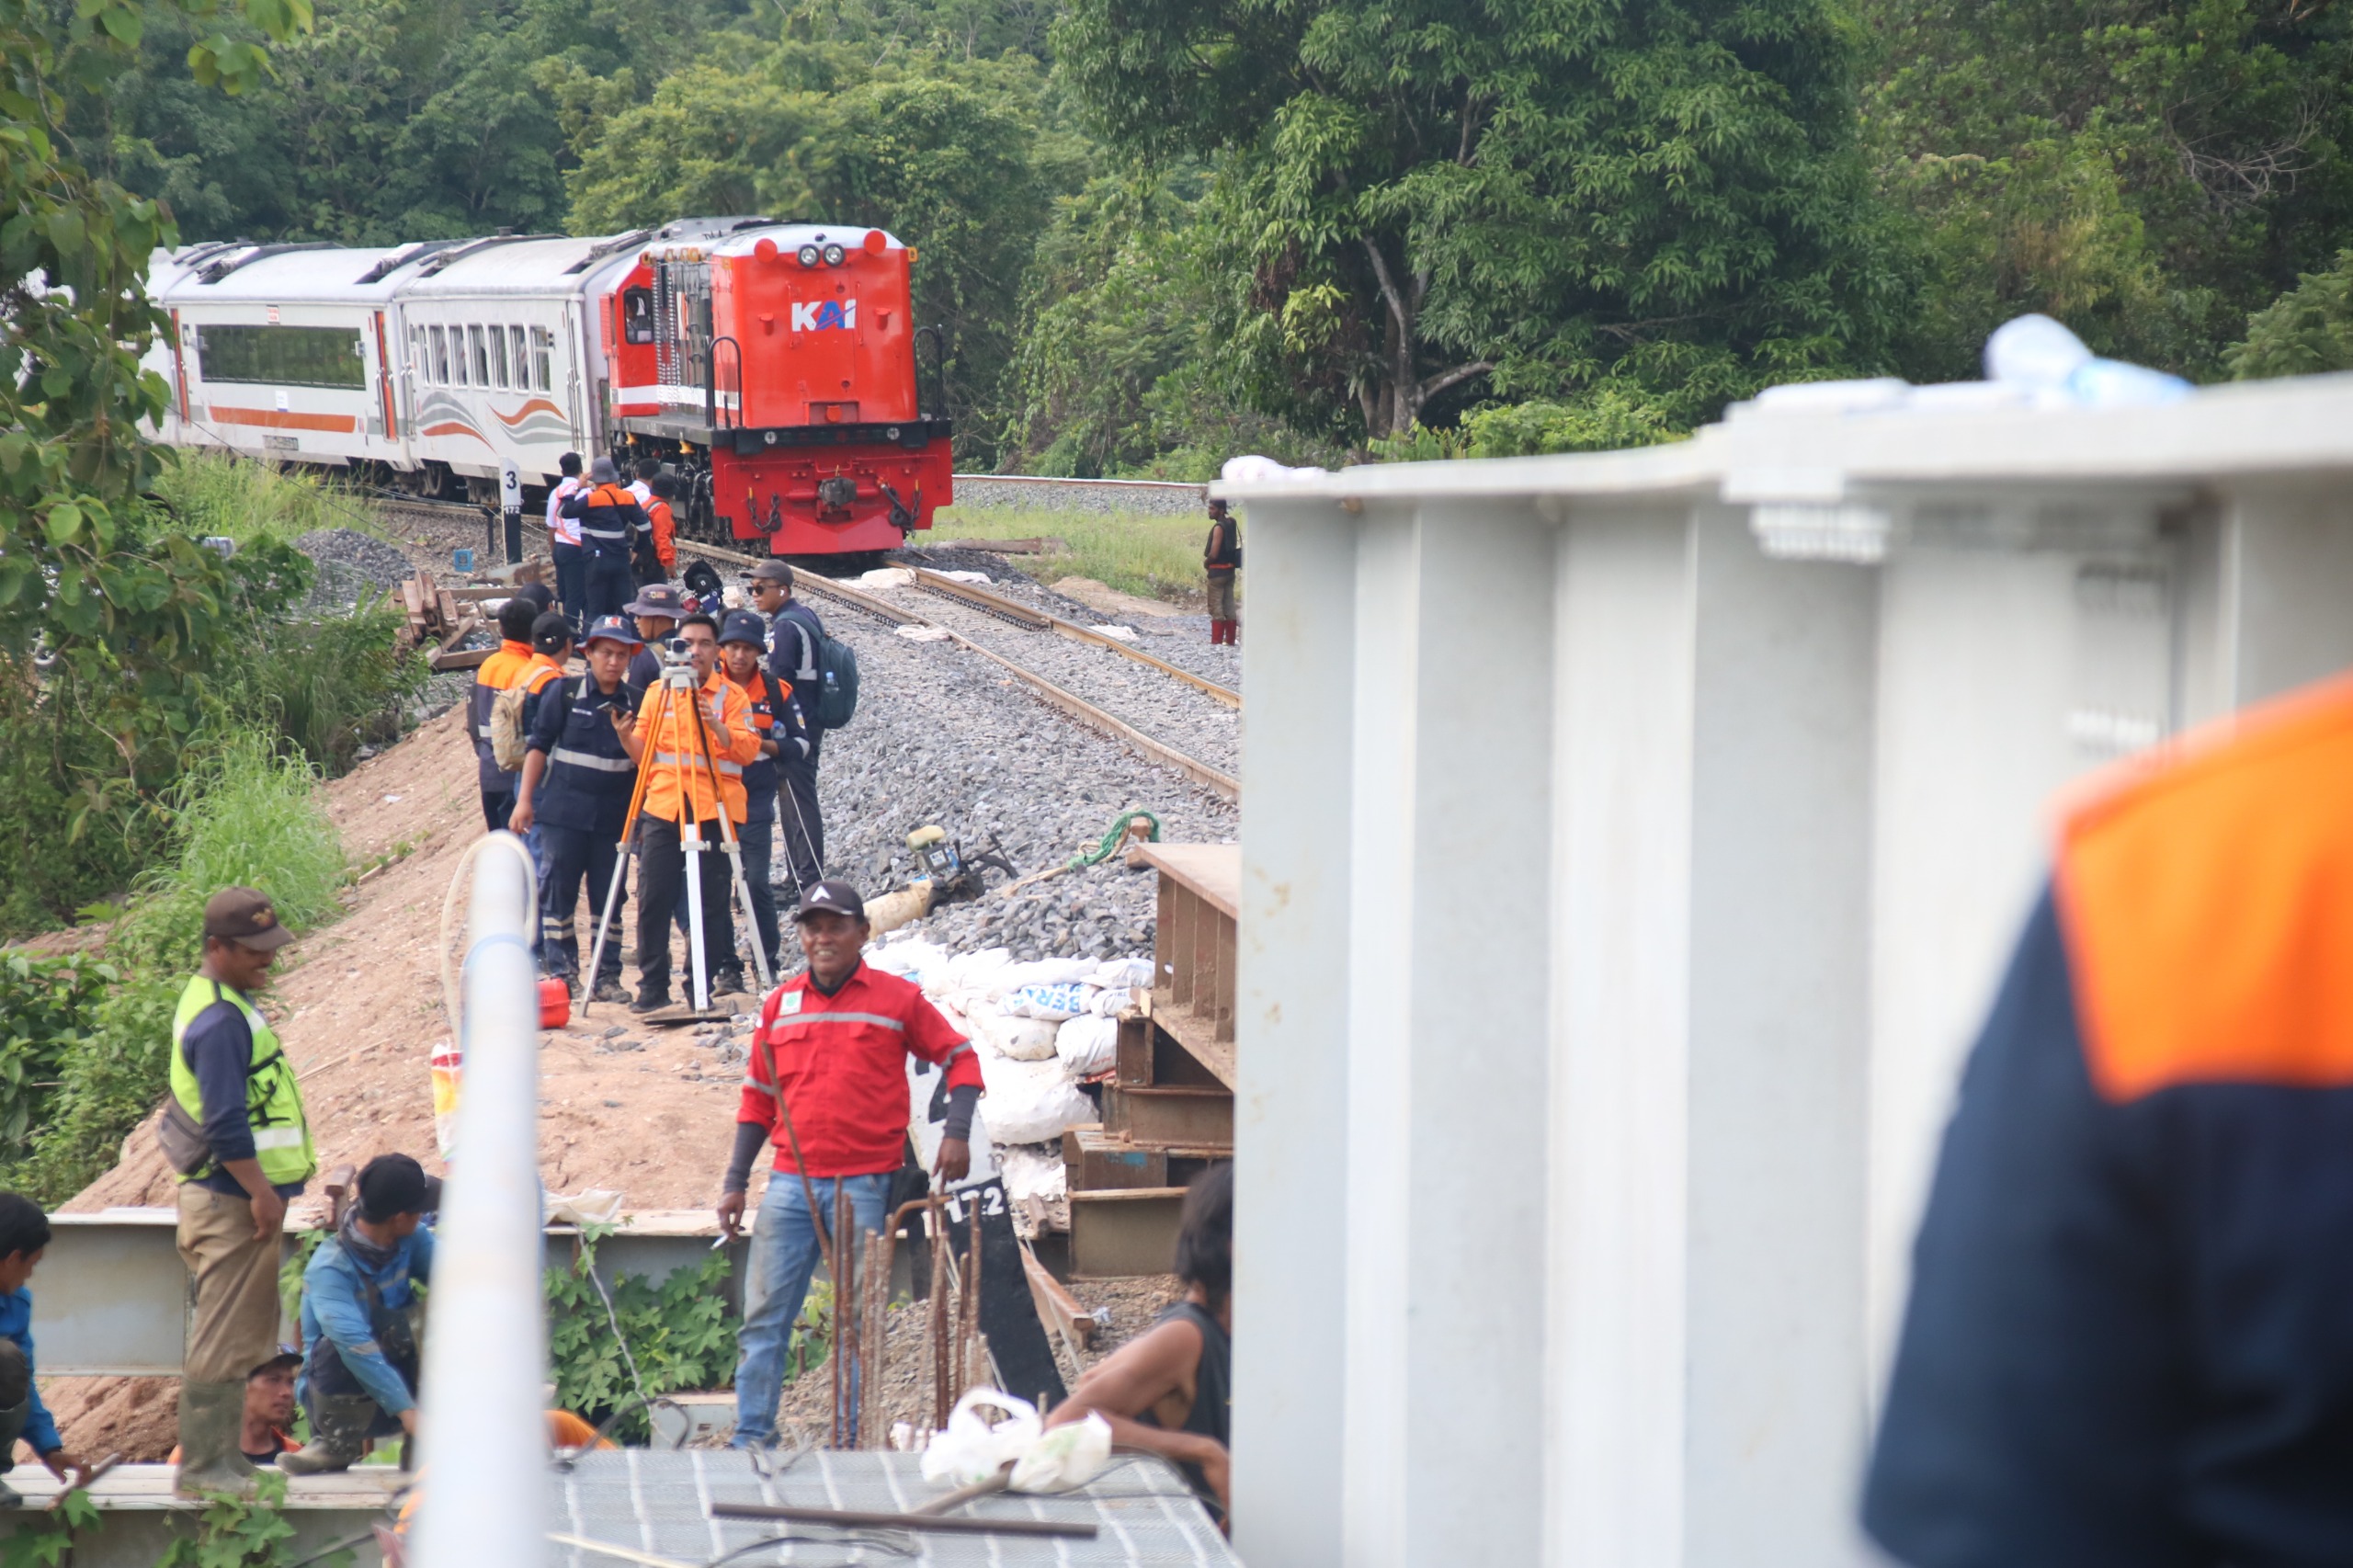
(787,237)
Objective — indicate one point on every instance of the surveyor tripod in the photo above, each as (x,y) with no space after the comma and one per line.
(665,699)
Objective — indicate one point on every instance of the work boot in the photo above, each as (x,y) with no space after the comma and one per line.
(1234,634)
(339,1425)
(1217,633)
(650,1001)
(609,989)
(727,982)
(212,1419)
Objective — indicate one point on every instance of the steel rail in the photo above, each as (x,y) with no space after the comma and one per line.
(1013,610)
(1085,712)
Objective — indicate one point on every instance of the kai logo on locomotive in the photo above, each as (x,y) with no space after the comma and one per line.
(817,315)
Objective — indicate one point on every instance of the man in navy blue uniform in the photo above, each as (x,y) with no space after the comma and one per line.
(743,638)
(577,779)
(793,630)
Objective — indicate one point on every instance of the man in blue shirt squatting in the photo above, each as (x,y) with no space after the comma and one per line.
(23,1232)
(360,1383)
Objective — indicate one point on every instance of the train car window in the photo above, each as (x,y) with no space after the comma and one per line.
(637,315)
(542,350)
(498,356)
(522,369)
(416,354)
(482,356)
(440,358)
(281,355)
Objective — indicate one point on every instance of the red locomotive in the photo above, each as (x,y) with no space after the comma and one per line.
(779,367)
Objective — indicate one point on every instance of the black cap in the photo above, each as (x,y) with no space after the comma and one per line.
(550,632)
(392,1185)
(839,897)
(244,916)
(744,626)
(287,1357)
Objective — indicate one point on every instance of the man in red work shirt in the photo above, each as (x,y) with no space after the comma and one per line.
(836,1039)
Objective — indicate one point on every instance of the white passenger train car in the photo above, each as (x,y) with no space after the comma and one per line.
(432,365)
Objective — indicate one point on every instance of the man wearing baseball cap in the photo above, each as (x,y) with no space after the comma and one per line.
(577,778)
(235,1131)
(359,1380)
(743,638)
(826,1084)
(795,632)
(659,606)
(269,1409)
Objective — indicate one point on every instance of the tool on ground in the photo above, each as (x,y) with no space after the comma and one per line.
(953,872)
(856,1518)
(678,678)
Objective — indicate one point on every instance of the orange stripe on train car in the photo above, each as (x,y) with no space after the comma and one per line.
(2208,907)
(451,428)
(277,419)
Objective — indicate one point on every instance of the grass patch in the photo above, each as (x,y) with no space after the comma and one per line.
(214,493)
(1156,557)
(244,814)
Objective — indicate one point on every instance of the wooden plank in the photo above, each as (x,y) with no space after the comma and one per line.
(1056,1306)
(1213,870)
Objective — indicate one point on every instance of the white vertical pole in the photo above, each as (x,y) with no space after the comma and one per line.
(485,1439)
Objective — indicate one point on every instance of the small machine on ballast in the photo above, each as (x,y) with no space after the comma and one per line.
(954,874)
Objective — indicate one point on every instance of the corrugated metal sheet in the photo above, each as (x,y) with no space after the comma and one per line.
(1631,842)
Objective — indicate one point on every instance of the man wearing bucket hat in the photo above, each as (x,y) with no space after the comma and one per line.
(659,606)
(613,527)
(577,779)
(234,1132)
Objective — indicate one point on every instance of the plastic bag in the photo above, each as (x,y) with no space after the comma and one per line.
(1055,1002)
(1068,1456)
(1119,975)
(1087,1045)
(969,972)
(970,1448)
(1041,972)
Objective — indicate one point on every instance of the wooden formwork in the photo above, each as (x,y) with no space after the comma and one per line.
(1168,1110)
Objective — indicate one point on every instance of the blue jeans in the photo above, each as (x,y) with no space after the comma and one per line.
(784,1255)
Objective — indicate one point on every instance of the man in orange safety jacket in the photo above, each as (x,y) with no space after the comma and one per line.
(663,524)
(2129,1339)
(670,751)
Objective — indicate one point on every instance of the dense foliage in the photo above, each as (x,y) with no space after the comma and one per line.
(1160,232)
(672,1334)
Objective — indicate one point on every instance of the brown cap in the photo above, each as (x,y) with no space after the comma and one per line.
(244,917)
(770,572)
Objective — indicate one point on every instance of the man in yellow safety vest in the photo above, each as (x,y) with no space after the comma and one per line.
(235,1131)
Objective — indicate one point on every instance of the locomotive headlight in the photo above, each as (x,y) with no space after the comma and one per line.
(833,255)
(809,256)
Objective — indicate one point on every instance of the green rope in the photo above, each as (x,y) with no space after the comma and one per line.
(1112,841)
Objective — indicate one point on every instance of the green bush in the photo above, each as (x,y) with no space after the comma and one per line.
(329,686)
(214,493)
(678,1332)
(243,815)
(2306,331)
(46,1008)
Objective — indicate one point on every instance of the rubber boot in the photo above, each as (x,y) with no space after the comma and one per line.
(213,1418)
(339,1425)
(1217,633)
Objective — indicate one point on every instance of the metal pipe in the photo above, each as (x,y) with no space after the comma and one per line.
(488,1500)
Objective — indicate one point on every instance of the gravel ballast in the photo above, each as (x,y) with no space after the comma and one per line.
(353,567)
(944,736)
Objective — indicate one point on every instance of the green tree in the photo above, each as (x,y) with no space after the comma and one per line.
(1535,199)
(2307,331)
(2147,171)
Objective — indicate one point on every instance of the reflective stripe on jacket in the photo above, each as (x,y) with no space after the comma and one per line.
(674,750)
(589,775)
(273,1099)
(609,517)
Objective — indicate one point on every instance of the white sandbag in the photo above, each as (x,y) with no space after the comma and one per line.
(1021,1039)
(1111,1004)
(1040,971)
(1088,1045)
(1036,1188)
(911,957)
(1055,1002)
(972,971)
(1031,1102)
(1119,975)
(980,579)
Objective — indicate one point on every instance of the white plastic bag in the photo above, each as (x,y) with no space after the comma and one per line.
(971,1448)
(1066,1457)
(1120,974)
(1087,1045)
(972,971)
(1055,1002)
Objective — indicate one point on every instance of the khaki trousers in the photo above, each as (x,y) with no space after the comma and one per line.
(234,1277)
(1221,595)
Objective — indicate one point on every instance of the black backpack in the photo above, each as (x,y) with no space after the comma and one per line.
(826,682)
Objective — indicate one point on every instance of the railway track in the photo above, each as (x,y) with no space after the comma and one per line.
(1214,780)
(996,606)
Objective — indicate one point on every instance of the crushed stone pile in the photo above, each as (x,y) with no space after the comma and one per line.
(354,567)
